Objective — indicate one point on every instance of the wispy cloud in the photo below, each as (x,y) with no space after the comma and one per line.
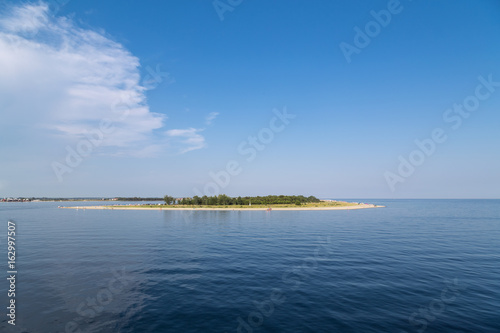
(211,117)
(66,79)
(25,18)
(189,139)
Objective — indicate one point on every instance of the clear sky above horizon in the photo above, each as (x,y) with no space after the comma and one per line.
(351,99)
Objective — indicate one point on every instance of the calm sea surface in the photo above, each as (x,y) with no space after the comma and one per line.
(414,266)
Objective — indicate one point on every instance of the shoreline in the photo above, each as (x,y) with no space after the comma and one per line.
(361,206)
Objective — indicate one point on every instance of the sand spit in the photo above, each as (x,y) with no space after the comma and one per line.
(360,206)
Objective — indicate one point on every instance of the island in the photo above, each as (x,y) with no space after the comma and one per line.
(224,202)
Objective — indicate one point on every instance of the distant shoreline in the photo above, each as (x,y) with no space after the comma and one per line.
(359,206)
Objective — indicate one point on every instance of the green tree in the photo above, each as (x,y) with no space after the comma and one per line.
(196,200)
(169,200)
(223,200)
(212,201)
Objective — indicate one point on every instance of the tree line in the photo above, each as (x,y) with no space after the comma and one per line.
(137,199)
(224,200)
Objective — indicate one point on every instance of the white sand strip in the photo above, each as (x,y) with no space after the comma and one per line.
(360,206)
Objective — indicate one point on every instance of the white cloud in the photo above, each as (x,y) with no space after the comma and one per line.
(211,117)
(189,138)
(25,18)
(66,80)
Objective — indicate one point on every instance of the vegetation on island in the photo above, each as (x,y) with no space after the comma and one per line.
(137,199)
(224,200)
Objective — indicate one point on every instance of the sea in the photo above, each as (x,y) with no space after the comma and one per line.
(413,266)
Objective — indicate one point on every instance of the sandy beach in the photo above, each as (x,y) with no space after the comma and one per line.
(360,206)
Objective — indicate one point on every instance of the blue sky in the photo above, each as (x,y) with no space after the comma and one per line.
(126,98)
